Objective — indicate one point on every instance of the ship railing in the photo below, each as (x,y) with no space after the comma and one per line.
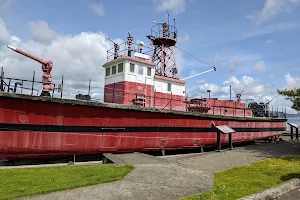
(125,51)
(161,30)
(63,86)
(175,103)
(147,97)
(17,85)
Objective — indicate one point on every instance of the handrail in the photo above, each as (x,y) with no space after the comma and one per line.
(165,102)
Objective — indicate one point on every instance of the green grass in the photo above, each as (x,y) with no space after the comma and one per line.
(243,181)
(16,183)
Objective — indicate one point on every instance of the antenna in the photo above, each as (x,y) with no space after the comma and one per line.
(129,42)
(174,14)
(174,8)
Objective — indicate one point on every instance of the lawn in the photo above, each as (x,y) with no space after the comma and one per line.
(16,183)
(243,181)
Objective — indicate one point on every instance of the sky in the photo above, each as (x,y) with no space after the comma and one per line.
(253,44)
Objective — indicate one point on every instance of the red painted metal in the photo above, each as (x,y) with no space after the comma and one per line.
(163,37)
(46,67)
(239,95)
(24,144)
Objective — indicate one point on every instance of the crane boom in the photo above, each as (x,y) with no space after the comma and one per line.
(214,69)
(116,48)
(46,68)
(27,55)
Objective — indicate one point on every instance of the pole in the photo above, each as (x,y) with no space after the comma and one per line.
(219,141)
(230,93)
(62,84)
(292,133)
(89,86)
(1,84)
(22,87)
(32,82)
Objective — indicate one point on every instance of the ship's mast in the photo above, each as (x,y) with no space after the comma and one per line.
(164,37)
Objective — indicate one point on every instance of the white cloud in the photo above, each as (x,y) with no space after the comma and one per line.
(292,82)
(201,81)
(41,32)
(5,4)
(273,8)
(270,41)
(193,72)
(236,61)
(98,9)
(251,85)
(78,57)
(178,56)
(254,89)
(217,58)
(167,5)
(4,34)
(260,67)
(186,37)
(272,75)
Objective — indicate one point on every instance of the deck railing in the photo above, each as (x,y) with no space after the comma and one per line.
(147,97)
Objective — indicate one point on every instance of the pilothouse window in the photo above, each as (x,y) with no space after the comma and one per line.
(107,71)
(169,87)
(148,71)
(114,69)
(132,67)
(120,67)
(141,69)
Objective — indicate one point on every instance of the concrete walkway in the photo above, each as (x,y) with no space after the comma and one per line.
(293,195)
(178,176)
(146,181)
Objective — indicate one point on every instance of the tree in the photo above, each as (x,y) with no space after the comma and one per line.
(293,96)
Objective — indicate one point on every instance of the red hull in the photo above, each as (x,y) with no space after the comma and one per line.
(43,127)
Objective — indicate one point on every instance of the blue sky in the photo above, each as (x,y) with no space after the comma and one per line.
(257,39)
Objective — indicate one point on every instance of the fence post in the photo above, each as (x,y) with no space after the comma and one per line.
(284,112)
(1,84)
(62,86)
(32,82)
(8,88)
(22,87)
(53,90)
(90,86)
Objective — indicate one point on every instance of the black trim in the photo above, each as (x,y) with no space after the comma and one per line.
(82,129)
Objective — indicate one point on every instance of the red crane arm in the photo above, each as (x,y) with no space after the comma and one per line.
(46,68)
(28,55)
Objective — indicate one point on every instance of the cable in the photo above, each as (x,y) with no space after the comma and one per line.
(194,57)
